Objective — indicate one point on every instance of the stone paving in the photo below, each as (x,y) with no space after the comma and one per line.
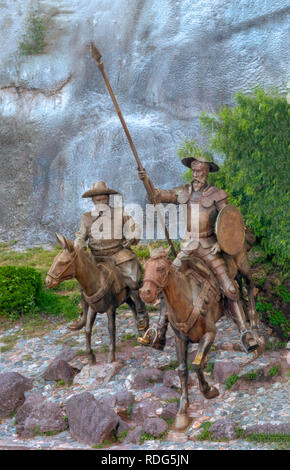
(248,402)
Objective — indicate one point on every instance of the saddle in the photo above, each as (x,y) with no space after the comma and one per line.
(111,279)
(204,278)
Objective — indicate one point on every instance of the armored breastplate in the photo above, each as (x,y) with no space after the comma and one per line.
(206,211)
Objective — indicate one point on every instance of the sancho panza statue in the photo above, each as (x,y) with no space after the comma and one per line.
(209,200)
(109,234)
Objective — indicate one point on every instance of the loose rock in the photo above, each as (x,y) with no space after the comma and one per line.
(223,369)
(59,370)
(155,426)
(223,428)
(89,421)
(45,417)
(12,388)
(147,377)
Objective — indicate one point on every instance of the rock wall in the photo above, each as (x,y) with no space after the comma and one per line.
(166,59)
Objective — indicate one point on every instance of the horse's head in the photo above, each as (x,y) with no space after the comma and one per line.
(63,266)
(156,271)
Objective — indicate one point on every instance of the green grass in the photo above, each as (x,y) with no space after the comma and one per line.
(274,370)
(171,366)
(122,436)
(205,434)
(210,367)
(231,380)
(251,376)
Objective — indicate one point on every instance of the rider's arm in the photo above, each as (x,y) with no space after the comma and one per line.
(160,195)
(131,231)
(82,235)
(221,199)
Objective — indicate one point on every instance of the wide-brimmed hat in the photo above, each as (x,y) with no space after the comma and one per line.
(99,188)
(188,161)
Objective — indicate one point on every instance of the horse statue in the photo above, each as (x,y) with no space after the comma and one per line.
(194,305)
(103,288)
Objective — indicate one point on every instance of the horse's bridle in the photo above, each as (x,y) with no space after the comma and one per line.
(160,285)
(62,276)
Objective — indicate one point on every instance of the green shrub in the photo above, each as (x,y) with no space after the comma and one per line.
(34,39)
(19,290)
(253,137)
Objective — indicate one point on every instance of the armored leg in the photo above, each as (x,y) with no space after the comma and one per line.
(156,336)
(248,340)
(219,267)
(231,292)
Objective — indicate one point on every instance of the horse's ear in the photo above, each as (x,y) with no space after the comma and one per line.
(168,250)
(60,239)
(150,251)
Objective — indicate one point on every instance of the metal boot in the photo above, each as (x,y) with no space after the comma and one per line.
(142,314)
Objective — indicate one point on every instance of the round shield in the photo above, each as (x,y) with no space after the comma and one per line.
(230,229)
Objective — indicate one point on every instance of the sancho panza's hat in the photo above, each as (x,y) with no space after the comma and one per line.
(188,161)
(99,189)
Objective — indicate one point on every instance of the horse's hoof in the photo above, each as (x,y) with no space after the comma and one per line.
(212,393)
(77,325)
(181,421)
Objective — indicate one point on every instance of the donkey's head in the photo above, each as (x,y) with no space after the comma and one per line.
(63,266)
(156,271)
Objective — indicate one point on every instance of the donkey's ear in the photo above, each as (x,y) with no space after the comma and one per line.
(60,239)
(69,245)
(150,250)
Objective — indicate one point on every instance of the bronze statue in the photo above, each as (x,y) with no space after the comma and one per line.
(204,245)
(103,284)
(194,306)
(113,246)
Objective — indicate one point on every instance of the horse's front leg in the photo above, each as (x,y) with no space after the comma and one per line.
(181,420)
(111,313)
(203,348)
(89,327)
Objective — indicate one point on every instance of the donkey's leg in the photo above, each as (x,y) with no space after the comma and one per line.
(203,348)
(89,327)
(131,303)
(111,313)
(181,420)
(81,322)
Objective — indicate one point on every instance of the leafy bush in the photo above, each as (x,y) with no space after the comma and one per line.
(254,139)
(34,39)
(22,293)
(19,290)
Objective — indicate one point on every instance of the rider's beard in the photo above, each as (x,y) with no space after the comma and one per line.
(198,184)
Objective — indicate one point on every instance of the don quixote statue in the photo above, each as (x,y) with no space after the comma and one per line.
(204,281)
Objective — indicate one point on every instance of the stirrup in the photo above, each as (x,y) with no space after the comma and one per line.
(144,340)
(243,333)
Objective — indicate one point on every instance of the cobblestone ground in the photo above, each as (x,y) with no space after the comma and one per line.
(255,403)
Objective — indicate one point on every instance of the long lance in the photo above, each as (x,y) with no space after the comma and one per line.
(98,58)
